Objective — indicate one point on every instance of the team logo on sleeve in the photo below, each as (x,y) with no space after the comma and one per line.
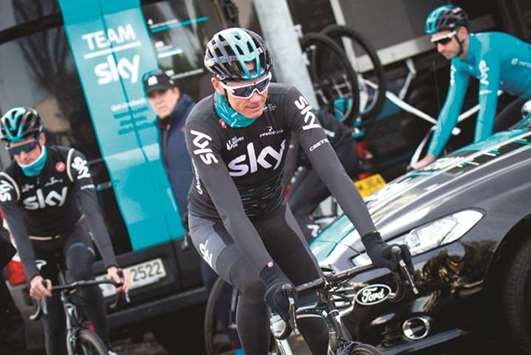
(81,167)
(5,191)
(310,120)
(202,141)
(452,75)
(484,72)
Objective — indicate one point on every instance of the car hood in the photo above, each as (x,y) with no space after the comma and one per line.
(406,202)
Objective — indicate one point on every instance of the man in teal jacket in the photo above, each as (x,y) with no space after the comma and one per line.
(498,60)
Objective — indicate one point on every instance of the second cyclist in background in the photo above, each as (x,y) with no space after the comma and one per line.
(498,60)
(51,209)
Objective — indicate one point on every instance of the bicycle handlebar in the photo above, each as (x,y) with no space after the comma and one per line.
(347,274)
(121,297)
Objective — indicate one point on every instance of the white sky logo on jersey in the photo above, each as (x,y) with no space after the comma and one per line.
(80,165)
(52,199)
(201,141)
(239,166)
(310,120)
(483,73)
(5,191)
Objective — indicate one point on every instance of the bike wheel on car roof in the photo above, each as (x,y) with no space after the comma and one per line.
(88,343)
(517,297)
(333,78)
(368,67)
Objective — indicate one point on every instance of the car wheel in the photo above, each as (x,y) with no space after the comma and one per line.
(182,332)
(517,297)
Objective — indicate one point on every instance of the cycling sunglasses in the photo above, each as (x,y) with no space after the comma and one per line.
(246,91)
(444,40)
(26,148)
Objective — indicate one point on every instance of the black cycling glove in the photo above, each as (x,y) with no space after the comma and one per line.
(381,254)
(278,290)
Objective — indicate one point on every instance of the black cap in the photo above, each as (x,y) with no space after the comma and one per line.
(157,81)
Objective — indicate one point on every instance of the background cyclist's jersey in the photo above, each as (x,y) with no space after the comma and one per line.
(498,61)
(51,203)
(238,171)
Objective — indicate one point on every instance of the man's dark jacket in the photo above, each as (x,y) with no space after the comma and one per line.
(174,154)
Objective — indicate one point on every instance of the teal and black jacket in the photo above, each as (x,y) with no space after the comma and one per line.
(498,61)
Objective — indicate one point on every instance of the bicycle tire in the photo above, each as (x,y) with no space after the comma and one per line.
(210,315)
(364,349)
(89,340)
(328,80)
(336,32)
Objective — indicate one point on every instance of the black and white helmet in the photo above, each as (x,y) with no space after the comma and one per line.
(230,51)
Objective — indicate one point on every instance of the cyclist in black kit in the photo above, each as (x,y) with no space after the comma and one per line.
(237,139)
(50,206)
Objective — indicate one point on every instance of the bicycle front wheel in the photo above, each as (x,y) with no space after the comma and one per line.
(88,343)
(364,349)
(212,346)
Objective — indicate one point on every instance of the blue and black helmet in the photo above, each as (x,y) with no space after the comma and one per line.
(230,51)
(19,123)
(446,17)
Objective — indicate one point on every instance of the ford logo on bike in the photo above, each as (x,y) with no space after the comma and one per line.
(372,294)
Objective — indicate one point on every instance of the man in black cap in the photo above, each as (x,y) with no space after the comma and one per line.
(172,108)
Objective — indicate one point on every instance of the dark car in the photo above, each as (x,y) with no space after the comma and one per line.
(467,221)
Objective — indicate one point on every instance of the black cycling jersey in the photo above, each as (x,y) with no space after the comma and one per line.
(52,203)
(238,171)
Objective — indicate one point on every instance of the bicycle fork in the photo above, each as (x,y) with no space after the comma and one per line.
(70,313)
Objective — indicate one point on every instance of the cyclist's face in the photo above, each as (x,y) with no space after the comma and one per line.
(163,101)
(25,156)
(252,106)
(446,43)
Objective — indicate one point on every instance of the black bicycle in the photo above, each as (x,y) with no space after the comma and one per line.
(336,293)
(81,338)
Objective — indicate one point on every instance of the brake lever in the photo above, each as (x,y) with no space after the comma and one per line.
(404,268)
(122,296)
(397,252)
(292,314)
